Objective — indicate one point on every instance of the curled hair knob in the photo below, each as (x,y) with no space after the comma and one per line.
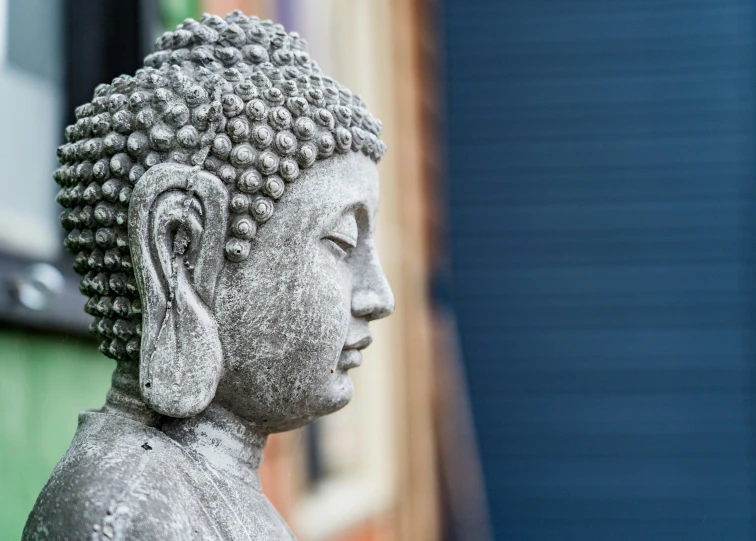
(237,250)
(244,227)
(262,209)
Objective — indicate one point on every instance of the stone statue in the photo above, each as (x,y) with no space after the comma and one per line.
(228,321)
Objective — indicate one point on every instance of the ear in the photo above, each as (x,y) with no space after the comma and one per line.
(177,227)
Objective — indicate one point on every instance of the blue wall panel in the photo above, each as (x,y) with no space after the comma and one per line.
(601,174)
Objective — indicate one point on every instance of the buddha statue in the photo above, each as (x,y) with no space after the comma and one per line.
(221,206)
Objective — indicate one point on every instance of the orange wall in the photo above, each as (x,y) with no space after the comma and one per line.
(261,8)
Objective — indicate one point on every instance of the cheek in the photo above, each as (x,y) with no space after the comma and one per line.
(316,312)
(295,306)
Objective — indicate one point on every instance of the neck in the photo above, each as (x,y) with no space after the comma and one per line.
(124,397)
(228,446)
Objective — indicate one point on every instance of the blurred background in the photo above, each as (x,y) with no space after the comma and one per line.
(568,224)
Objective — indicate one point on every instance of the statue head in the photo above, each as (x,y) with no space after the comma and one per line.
(221,207)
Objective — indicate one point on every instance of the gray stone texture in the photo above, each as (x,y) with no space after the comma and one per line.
(221,207)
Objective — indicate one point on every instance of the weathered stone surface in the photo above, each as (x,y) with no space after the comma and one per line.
(221,205)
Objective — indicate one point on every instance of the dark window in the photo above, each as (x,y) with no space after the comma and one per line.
(56,53)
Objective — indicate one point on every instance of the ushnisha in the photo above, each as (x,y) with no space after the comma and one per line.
(228,322)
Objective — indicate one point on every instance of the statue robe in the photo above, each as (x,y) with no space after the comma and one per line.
(123,480)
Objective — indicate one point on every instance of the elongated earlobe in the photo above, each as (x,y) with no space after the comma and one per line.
(177,222)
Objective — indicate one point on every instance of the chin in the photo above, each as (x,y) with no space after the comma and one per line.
(335,395)
(342,393)
(320,403)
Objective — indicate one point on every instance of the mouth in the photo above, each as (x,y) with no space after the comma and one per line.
(349,358)
(351,355)
(362,343)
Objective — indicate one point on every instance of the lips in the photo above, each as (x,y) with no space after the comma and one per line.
(362,343)
(351,356)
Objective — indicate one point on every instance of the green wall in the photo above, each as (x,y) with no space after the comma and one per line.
(45,381)
(174,12)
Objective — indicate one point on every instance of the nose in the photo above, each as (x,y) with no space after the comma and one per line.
(372,297)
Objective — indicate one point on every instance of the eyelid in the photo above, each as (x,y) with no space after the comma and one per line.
(346,239)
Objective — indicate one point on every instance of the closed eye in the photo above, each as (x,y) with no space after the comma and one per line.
(340,244)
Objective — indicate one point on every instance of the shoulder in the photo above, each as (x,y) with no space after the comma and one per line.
(119,479)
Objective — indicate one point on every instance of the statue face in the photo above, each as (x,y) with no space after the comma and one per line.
(294,315)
